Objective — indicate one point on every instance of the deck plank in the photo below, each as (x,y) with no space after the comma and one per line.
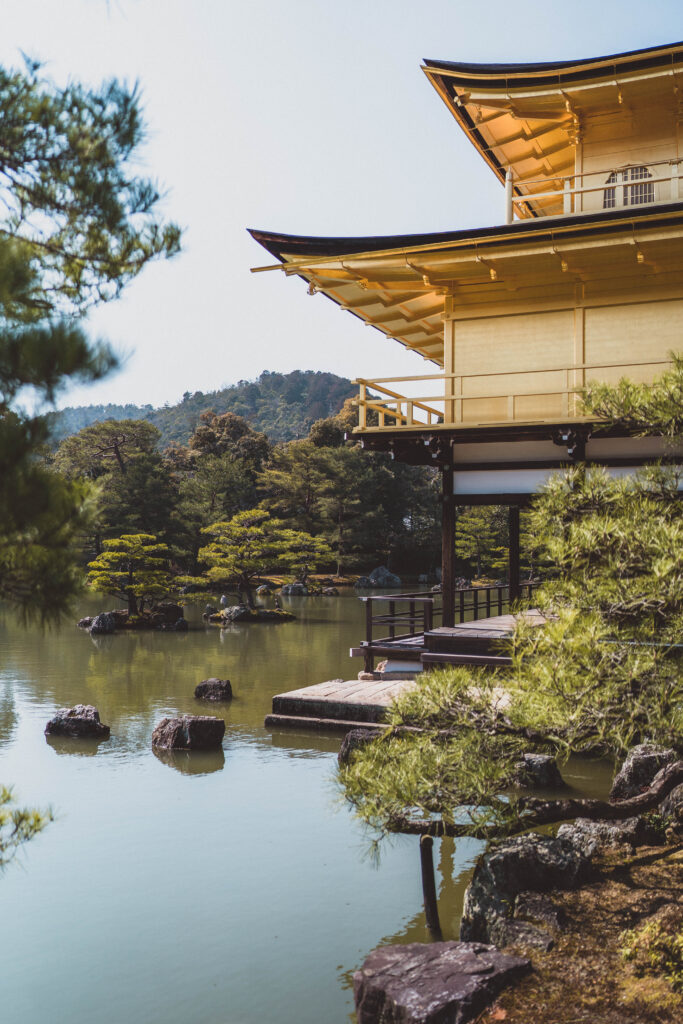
(351,700)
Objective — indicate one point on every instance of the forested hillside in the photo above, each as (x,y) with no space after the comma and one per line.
(282,405)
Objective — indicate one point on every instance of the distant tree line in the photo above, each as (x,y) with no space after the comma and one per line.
(281,405)
(364,507)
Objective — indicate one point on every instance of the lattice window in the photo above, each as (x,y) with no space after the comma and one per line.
(622,194)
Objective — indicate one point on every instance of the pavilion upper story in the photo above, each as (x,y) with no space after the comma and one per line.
(582,277)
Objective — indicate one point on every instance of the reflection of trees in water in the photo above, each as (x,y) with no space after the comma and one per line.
(8,713)
(192,762)
(71,746)
(450,896)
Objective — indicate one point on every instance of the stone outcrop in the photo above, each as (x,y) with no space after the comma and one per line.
(243,613)
(438,983)
(594,837)
(103,623)
(79,722)
(537,771)
(190,732)
(330,592)
(354,740)
(381,577)
(294,590)
(214,689)
(529,863)
(639,769)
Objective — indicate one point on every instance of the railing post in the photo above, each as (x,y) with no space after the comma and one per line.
(362,410)
(428,616)
(475,603)
(488,602)
(392,615)
(462,606)
(674,181)
(368,658)
(509,212)
(411,617)
(500,600)
(567,205)
(513,562)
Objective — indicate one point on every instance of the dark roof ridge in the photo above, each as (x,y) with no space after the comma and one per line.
(520,68)
(316,245)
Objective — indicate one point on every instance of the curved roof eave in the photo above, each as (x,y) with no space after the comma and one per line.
(589,66)
(314,246)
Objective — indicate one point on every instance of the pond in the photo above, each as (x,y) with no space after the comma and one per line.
(232,888)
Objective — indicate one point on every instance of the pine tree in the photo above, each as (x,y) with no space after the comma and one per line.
(134,568)
(76,226)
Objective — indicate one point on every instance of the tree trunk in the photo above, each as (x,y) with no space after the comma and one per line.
(248,592)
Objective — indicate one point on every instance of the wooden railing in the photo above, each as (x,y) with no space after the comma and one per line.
(419,612)
(568,196)
(395,410)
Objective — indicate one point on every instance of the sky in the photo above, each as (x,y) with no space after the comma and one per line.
(299,116)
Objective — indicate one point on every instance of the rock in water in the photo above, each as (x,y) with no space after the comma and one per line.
(294,590)
(639,769)
(354,740)
(538,771)
(527,863)
(79,722)
(214,689)
(381,577)
(438,983)
(190,732)
(105,622)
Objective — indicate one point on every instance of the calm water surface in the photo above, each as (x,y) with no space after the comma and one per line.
(222,889)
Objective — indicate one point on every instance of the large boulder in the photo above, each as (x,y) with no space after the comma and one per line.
(527,863)
(363,583)
(190,732)
(537,771)
(435,983)
(103,623)
(597,837)
(79,722)
(294,590)
(354,740)
(381,577)
(170,611)
(243,613)
(214,689)
(639,769)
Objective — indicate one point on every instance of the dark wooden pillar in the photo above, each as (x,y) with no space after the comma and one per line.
(513,563)
(448,548)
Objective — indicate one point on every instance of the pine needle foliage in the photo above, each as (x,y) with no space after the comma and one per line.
(252,544)
(17,825)
(604,673)
(76,226)
(134,568)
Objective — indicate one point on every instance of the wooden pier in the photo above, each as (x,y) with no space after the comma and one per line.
(341,705)
(338,705)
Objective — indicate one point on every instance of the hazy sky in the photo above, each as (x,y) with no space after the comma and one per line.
(302,116)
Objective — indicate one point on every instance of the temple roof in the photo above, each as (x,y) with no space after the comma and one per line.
(399,283)
(528,118)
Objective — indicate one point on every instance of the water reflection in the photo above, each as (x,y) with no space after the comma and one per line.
(76,747)
(8,714)
(192,762)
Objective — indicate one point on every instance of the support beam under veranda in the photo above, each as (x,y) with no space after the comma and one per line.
(513,552)
(448,546)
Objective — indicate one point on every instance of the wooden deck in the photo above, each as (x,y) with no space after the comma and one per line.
(479,642)
(339,704)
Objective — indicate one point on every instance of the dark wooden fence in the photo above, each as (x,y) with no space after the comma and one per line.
(410,615)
